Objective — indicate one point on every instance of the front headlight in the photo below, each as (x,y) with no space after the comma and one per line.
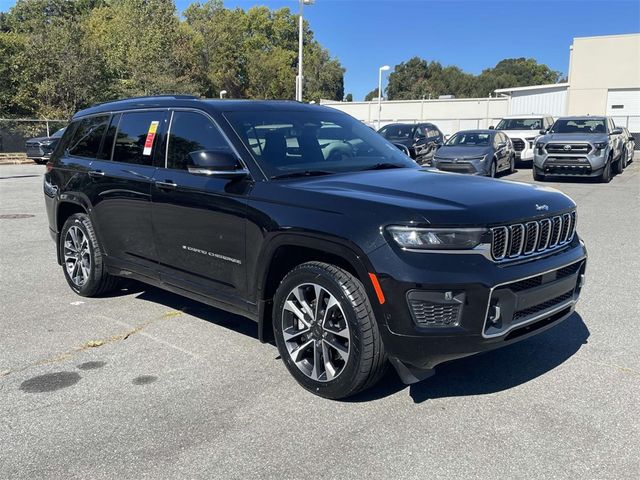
(436,238)
(600,145)
(540,145)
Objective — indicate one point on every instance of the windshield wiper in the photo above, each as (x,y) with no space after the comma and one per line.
(383,166)
(305,173)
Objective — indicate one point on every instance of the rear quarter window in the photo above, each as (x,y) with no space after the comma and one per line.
(87,137)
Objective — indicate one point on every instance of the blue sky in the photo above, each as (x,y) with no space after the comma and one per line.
(472,34)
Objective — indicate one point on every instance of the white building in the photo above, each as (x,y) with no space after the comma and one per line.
(604,79)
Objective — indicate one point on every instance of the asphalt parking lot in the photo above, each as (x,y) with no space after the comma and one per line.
(146,384)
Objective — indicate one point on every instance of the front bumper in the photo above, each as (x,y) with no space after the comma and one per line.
(524,149)
(471,167)
(497,304)
(559,164)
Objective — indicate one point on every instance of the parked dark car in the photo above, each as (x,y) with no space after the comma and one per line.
(629,146)
(39,149)
(478,152)
(308,222)
(421,139)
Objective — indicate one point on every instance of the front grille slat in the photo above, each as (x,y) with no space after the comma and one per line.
(518,240)
(518,144)
(569,148)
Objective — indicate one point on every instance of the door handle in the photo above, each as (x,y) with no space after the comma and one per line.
(96,173)
(168,185)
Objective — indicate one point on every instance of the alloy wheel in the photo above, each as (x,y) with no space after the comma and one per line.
(77,256)
(316,332)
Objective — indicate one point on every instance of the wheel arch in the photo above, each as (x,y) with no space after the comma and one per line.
(64,209)
(286,251)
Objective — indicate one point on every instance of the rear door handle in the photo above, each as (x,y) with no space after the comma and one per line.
(168,185)
(96,173)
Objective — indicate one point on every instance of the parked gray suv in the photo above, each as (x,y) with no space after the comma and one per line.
(579,146)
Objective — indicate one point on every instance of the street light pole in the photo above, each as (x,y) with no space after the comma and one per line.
(380,70)
(299,77)
(222,93)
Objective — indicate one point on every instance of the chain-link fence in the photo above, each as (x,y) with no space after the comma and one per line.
(14,132)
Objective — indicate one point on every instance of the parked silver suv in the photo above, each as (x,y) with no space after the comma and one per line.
(579,146)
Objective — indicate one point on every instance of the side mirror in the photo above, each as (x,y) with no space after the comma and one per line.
(491,127)
(223,164)
(542,132)
(502,145)
(616,131)
(404,149)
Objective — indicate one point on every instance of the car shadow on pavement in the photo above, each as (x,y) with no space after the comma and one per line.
(480,374)
(493,371)
(200,310)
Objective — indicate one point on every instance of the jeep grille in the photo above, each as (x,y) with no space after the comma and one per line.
(531,238)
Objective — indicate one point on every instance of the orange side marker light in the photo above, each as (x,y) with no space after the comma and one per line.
(377,288)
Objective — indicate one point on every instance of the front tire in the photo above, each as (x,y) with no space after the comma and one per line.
(512,164)
(537,176)
(326,332)
(82,258)
(619,168)
(492,169)
(605,176)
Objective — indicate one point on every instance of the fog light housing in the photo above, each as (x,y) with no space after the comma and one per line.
(436,309)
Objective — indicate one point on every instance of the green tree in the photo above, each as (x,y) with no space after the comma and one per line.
(514,72)
(137,40)
(371,95)
(349,97)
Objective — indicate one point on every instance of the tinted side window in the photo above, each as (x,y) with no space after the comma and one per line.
(67,136)
(88,136)
(136,139)
(192,132)
(107,145)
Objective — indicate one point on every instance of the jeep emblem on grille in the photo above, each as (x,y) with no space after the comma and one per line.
(567,147)
(542,207)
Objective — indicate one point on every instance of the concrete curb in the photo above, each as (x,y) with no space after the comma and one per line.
(11,159)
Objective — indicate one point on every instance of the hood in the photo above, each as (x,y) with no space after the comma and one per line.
(461,153)
(407,142)
(521,133)
(574,137)
(428,196)
(42,139)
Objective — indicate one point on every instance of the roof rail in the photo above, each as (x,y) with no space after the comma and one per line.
(144,97)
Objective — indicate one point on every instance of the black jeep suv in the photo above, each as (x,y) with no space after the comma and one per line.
(307,221)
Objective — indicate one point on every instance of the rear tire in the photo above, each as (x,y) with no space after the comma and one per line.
(333,347)
(82,258)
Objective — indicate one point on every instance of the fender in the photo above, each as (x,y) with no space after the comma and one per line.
(342,248)
(74,198)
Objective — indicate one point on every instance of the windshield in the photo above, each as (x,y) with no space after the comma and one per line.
(396,132)
(316,142)
(520,124)
(470,139)
(584,125)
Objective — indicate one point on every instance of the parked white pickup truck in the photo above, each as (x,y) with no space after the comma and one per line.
(523,130)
